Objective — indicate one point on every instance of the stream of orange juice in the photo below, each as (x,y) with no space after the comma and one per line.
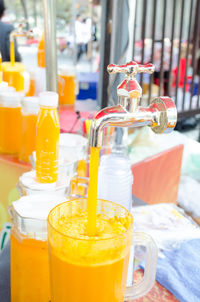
(12,53)
(47,143)
(92,190)
(28,136)
(29,270)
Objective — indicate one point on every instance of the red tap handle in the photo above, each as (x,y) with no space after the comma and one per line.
(131,68)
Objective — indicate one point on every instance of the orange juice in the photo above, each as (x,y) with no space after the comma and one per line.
(86,268)
(30,108)
(41,53)
(92,190)
(47,138)
(13,74)
(10,122)
(29,270)
(66,89)
(31,91)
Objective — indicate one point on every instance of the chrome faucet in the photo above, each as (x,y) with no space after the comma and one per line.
(21,32)
(160,115)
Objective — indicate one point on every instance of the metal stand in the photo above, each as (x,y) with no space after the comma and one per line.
(49,8)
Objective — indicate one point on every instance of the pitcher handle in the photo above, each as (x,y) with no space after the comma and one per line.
(142,287)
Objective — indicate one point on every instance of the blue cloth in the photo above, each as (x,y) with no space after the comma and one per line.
(179,271)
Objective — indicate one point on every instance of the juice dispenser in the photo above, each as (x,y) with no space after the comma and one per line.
(10,122)
(29,249)
(30,109)
(67,85)
(14,72)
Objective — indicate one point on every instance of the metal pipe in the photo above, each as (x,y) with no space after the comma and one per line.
(172,47)
(187,53)
(179,50)
(49,9)
(162,49)
(152,45)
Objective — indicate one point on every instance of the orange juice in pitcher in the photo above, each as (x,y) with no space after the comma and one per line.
(30,109)
(29,248)
(16,76)
(10,122)
(47,138)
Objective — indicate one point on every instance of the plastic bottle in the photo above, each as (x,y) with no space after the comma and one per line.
(30,109)
(10,121)
(47,138)
(41,53)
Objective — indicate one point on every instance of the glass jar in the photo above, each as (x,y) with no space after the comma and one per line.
(10,122)
(28,185)
(67,85)
(74,147)
(30,109)
(29,250)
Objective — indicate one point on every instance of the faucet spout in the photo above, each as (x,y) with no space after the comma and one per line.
(161,116)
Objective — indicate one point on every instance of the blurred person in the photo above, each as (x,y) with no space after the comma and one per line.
(86,34)
(79,37)
(5,30)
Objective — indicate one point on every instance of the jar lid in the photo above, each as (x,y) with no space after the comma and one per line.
(3,85)
(11,98)
(29,181)
(29,214)
(48,99)
(31,102)
(67,70)
(37,206)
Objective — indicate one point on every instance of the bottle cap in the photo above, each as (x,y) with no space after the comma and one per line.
(30,102)
(3,85)
(48,99)
(11,98)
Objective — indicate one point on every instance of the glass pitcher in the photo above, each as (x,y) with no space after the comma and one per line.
(84,268)
(29,250)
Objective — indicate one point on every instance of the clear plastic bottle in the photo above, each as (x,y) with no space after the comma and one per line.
(10,122)
(47,138)
(30,109)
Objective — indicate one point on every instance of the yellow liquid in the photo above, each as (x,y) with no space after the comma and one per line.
(29,270)
(92,191)
(41,53)
(13,74)
(47,144)
(12,53)
(66,89)
(10,130)
(88,268)
(28,136)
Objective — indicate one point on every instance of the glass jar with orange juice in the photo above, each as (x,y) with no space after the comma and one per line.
(10,122)
(47,138)
(29,250)
(67,85)
(16,76)
(30,109)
